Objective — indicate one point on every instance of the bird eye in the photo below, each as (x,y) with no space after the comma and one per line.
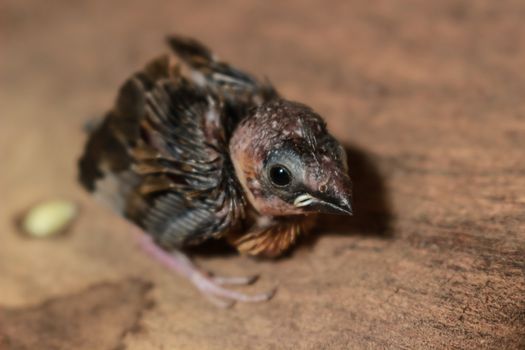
(280,176)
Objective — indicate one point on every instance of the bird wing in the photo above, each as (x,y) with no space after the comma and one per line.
(240,90)
(160,158)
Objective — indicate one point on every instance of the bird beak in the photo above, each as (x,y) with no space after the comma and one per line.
(325,204)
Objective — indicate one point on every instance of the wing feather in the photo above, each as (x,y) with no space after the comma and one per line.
(239,90)
(161,158)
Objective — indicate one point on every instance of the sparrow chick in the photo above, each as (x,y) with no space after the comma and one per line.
(196,149)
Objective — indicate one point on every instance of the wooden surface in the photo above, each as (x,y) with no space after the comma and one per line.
(429,96)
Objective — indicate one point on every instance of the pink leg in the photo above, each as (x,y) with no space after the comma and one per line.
(209,285)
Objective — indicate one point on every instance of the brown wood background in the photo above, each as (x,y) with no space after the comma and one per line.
(428,95)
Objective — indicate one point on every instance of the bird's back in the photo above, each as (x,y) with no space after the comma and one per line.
(160,156)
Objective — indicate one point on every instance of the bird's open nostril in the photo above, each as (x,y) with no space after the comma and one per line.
(323,188)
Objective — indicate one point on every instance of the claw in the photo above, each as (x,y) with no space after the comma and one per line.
(208,286)
(221,303)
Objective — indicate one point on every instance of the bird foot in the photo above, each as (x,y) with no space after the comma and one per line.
(210,285)
(233,280)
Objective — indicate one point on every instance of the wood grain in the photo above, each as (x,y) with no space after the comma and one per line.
(428,96)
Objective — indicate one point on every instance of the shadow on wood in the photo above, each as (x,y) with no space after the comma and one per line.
(371,200)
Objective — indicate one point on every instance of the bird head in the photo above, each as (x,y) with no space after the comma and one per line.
(288,163)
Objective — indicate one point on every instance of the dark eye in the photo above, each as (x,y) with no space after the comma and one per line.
(280,176)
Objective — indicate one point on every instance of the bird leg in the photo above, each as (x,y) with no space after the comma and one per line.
(209,285)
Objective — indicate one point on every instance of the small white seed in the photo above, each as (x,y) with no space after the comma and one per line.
(49,218)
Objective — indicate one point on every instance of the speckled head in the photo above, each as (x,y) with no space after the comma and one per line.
(288,163)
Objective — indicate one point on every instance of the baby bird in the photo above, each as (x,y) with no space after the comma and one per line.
(195,149)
